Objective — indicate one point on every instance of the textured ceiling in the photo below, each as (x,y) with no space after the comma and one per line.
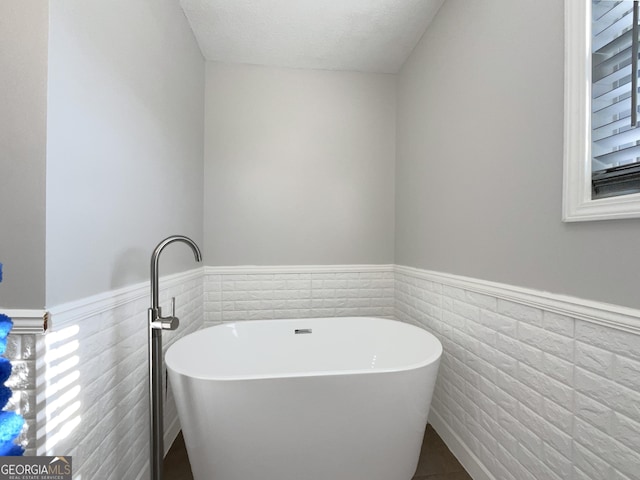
(358,35)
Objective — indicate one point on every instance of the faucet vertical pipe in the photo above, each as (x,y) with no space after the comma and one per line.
(155,326)
(156,403)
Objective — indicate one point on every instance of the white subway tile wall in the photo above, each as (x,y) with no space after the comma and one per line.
(533,394)
(21,350)
(260,296)
(91,373)
(92,394)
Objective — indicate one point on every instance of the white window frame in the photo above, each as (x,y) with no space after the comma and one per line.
(577,204)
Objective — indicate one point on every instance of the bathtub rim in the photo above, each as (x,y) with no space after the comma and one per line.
(431,359)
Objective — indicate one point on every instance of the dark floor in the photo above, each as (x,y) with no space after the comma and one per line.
(436,461)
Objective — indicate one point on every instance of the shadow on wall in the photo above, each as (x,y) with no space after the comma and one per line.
(58,402)
(91,400)
(92,379)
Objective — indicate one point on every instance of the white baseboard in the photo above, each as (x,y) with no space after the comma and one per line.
(460,450)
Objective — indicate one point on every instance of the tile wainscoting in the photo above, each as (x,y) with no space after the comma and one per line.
(91,394)
(23,343)
(22,350)
(258,293)
(92,385)
(532,385)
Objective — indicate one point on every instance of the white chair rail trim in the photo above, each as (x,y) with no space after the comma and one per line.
(608,315)
(284,269)
(26,321)
(613,316)
(102,302)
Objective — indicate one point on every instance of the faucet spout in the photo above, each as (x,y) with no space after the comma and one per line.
(155,257)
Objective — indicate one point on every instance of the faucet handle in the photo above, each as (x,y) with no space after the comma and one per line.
(169,323)
(172,322)
(164,323)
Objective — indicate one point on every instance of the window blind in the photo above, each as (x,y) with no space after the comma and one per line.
(614,105)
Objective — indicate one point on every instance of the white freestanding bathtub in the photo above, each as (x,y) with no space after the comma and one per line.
(307,399)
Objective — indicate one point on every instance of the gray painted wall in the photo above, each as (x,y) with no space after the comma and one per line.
(125,143)
(479,167)
(299,166)
(23,107)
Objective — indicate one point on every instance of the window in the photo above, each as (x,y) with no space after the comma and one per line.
(602,137)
